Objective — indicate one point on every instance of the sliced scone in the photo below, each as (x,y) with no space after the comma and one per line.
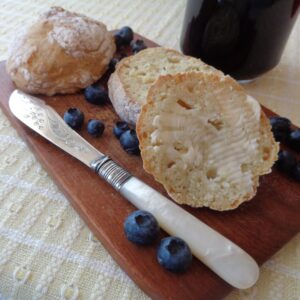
(205,140)
(129,84)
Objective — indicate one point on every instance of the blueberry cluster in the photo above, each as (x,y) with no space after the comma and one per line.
(74,117)
(127,137)
(283,133)
(173,253)
(124,38)
(98,95)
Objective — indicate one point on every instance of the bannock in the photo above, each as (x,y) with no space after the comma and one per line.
(129,84)
(205,140)
(59,53)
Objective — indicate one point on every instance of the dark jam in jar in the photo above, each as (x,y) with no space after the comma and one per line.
(243,38)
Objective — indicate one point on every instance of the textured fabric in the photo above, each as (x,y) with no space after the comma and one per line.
(46,251)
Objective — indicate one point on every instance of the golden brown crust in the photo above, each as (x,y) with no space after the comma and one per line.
(62,52)
(270,154)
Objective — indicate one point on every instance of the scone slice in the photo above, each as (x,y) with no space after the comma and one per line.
(205,140)
(128,86)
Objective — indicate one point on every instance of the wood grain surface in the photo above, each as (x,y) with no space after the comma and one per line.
(261,226)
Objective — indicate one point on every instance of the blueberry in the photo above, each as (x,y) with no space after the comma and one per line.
(137,46)
(123,36)
(281,128)
(281,136)
(294,139)
(95,127)
(118,41)
(74,118)
(96,95)
(130,142)
(174,254)
(127,34)
(141,227)
(296,172)
(112,64)
(286,161)
(120,128)
(280,123)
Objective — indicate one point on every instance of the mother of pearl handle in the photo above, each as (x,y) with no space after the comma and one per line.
(222,256)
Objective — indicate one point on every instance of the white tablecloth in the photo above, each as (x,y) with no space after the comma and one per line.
(46,251)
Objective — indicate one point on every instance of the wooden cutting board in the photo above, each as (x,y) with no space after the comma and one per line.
(261,226)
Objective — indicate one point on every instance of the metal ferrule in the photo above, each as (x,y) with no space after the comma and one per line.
(106,168)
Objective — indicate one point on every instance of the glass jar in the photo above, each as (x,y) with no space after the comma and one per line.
(243,38)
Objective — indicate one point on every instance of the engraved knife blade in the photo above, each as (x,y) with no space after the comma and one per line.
(47,122)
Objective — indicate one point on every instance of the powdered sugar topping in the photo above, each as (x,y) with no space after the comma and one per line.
(75,33)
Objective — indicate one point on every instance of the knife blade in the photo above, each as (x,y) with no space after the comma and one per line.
(221,255)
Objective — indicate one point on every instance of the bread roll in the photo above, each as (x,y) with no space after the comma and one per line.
(129,84)
(205,140)
(61,52)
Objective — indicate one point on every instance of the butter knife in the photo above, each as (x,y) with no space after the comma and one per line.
(217,252)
